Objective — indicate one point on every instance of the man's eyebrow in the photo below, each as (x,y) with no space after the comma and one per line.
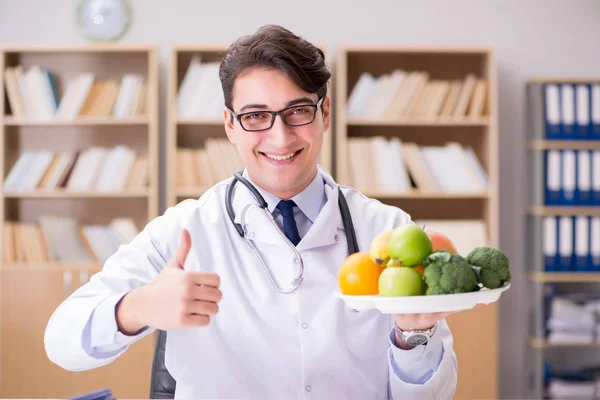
(289,104)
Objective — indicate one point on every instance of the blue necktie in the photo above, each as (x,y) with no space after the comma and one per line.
(286,208)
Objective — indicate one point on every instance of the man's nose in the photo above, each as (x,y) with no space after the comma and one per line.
(280,134)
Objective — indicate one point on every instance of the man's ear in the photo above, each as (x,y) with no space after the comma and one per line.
(228,121)
(326,107)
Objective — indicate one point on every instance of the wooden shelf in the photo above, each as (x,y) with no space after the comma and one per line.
(564,277)
(81,121)
(479,133)
(63,194)
(563,210)
(32,267)
(190,192)
(31,291)
(540,343)
(564,144)
(418,122)
(431,196)
(35,48)
(200,121)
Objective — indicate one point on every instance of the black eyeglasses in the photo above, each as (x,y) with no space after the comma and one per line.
(255,121)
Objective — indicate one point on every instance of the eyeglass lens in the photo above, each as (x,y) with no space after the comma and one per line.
(295,116)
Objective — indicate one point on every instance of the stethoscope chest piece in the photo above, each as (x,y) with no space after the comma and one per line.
(297,260)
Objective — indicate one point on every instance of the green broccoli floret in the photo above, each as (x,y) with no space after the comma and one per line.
(447,273)
(494,267)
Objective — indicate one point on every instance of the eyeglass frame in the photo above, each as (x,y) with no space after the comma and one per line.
(274,115)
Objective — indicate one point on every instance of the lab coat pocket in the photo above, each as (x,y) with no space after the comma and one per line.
(366,333)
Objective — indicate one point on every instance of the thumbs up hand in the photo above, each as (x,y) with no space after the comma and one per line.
(175,299)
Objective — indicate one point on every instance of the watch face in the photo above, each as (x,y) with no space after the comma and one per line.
(417,339)
(102,20)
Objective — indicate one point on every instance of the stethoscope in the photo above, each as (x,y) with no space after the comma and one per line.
(346,220)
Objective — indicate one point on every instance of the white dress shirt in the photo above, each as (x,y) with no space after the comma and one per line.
(261,344)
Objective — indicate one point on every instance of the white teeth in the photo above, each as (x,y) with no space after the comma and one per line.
(274,157)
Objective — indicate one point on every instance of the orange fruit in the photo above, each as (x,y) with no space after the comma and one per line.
(359,275)
(420,269)
(440,241)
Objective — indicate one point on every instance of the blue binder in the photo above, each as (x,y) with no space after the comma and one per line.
(595,112)
(567,112)
(594,257)
(581,244)
(553,178)
(550,243)
(552,111)
(566,238)
(595,178)
(583,111)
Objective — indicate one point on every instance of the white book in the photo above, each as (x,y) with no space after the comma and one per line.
(202,97)
(125,229)
(124,96)
(398,166)
(124,169)
(186,89)
(108,174)
(17,172)
(361,94)
(81,91)
(43,159)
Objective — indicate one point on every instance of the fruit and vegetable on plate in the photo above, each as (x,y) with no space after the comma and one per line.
(412,261)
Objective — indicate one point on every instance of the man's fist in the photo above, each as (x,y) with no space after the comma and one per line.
(175,299)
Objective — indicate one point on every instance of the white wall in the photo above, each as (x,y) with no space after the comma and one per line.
(531,38)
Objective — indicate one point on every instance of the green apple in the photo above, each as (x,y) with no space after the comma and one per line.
(400,281)
(410,245)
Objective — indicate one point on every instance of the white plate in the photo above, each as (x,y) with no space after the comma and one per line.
(423,304)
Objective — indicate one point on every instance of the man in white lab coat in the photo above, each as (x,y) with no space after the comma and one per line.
(189,272)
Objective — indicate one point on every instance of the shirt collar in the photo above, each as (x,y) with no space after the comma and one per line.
(310,201)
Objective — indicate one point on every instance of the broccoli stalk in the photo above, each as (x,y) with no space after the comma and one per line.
(493,265)
(447,273)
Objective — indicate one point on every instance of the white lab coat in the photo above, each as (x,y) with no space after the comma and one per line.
(261,344)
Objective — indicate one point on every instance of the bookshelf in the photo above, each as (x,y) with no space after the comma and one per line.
(563,231)
(79,148)
(423,123)
(199,155)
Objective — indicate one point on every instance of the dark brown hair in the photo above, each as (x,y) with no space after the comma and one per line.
(273,46)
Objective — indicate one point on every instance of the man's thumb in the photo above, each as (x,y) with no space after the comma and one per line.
(182,251)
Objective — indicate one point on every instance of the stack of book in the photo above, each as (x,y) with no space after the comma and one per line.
(200,94)
(94,169)
(57,239)
(382,165)
(33,93)
(402,94)
(206,166)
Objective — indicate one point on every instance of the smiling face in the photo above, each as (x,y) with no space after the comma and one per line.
(282,159)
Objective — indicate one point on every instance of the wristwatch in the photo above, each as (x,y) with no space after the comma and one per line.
(416,337)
